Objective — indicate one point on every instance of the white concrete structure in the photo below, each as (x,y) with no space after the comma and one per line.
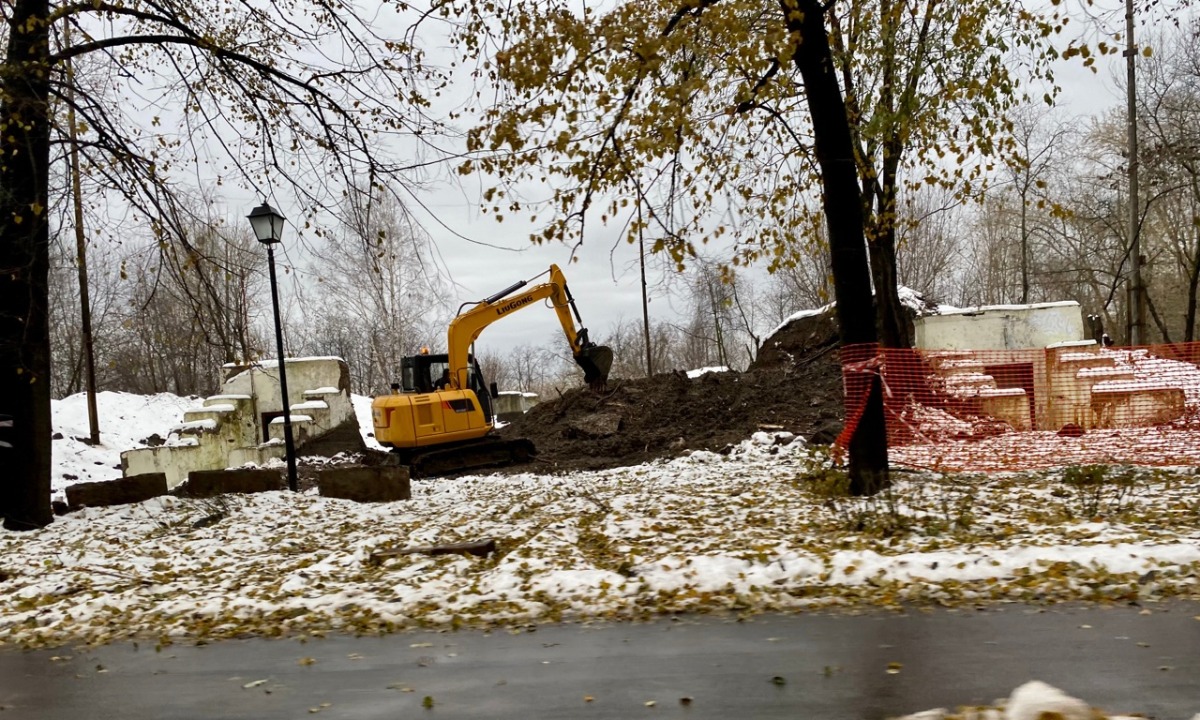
(244,423)
(1001,327)
(510,403)
(1073,382)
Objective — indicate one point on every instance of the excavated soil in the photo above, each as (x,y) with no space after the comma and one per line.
(794,386)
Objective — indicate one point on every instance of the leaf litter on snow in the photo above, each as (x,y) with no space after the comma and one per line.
(763,527)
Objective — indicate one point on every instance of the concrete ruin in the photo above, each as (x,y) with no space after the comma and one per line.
(244,423)
(1030,366)
(1000,327)
(511,404)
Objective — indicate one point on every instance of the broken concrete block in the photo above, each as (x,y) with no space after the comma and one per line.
(124,491)
(365,484)
(209,483)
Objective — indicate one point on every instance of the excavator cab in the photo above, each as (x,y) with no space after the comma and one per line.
(427,373)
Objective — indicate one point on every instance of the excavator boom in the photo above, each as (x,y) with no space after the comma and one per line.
(595,360)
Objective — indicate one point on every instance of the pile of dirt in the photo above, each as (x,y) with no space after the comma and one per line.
(795,385)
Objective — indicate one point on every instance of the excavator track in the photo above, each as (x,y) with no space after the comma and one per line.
(460,457)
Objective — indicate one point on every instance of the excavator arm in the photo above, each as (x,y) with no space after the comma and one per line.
(467,326)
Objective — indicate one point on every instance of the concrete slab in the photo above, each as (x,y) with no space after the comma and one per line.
(123,491)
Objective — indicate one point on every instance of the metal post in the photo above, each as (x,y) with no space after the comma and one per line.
(289,445)
(645,305)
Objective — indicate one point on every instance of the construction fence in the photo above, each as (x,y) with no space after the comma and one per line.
(1073,403)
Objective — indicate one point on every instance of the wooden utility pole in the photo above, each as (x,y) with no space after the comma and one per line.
(85,305)
(1137,310)
(645,305)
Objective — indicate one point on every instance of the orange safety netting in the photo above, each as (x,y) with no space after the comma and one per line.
(1072,403)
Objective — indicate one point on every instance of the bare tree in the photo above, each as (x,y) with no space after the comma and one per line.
(293,93)
(534,369)
(66,335)
(627,339)
(929,250)
(722,324)
(376,275)
(215,272)
(1085,256)
(1039,138)
(992,256)
(803,281)
(1169,100)
(185,310)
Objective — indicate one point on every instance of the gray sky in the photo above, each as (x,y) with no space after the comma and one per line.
(603,280)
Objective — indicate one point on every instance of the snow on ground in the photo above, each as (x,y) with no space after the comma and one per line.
(704,370)
(125,421)
(755,530)
(362,411)
(1035,700)
(761,528)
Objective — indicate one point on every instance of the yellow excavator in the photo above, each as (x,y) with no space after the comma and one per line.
(439,417)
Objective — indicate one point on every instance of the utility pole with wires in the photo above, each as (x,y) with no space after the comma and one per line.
(1137,293)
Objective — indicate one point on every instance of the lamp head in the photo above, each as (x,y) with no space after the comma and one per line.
(267,224)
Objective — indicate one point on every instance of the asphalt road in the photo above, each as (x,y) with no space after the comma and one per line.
(829,667)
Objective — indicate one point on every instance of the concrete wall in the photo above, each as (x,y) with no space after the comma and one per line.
(1001,327)
(227,429)
(261,381)
(511,402)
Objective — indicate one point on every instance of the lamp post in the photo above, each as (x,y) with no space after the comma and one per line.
(268,228)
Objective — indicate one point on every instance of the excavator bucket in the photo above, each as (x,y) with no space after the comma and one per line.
(595,361)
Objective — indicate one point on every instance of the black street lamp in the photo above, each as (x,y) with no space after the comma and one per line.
(268,228)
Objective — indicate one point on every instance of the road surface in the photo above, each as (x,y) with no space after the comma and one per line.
(828,667)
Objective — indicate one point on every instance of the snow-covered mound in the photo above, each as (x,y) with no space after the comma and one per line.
(1035,700)
(125,421)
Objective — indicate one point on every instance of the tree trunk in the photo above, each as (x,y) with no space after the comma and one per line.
(24,268)
(842,201)
(1159,322)
(893,320)
(893,323)
(1189,323)
(1024,245)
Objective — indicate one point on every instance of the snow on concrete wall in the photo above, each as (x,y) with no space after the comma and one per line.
(261,380)
(228,431)
(1001,327)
